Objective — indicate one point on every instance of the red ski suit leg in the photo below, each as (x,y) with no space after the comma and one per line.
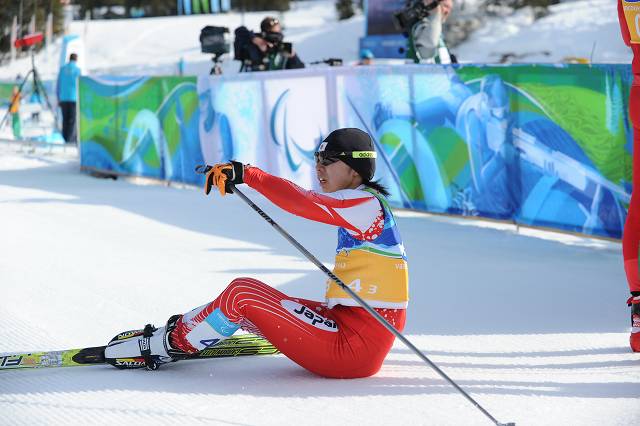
(631,234)
(300,330)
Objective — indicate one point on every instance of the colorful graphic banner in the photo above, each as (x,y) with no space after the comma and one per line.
(28,92)
(274,123)
(544,146)
(6,90)
(140,126)
(537,145)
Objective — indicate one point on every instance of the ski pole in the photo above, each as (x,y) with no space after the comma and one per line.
(362,303)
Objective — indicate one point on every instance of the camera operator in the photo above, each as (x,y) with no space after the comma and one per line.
(426,43)
(265,51)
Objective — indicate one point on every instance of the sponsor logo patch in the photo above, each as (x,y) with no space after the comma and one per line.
(309,316)
(364,154)
(144,344)
(128,334)
(7,361)
(130,362)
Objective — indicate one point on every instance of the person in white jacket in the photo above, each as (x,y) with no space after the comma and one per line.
(426,42)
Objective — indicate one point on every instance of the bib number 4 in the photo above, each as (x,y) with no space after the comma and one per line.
(357,287)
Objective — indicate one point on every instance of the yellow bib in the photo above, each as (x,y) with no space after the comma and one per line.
(380,280)
(632,15)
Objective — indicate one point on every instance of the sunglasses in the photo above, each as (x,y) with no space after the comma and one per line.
(325,158)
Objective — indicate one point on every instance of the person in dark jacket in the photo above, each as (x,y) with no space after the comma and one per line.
(267,50)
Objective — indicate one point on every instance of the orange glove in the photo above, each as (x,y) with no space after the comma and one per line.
(222,175)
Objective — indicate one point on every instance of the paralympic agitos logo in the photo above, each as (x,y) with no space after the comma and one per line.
(308,316)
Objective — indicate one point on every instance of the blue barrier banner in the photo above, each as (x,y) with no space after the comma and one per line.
(538,145)
(275,123)
(140,126)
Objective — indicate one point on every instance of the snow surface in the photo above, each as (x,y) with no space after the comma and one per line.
(532,324)
(153,46)
(586,29)
(156,45)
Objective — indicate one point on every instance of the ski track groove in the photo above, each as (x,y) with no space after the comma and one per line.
(60,412)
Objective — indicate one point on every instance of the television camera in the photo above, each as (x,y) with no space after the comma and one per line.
(215,41)
(413,12)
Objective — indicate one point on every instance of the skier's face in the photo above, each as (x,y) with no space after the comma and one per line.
(336,176)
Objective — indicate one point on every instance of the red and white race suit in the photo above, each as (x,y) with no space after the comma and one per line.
(335,338)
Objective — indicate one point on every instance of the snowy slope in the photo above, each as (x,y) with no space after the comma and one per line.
(574,28)
(154,46)
(532,324)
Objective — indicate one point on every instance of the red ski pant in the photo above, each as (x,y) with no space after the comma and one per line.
(631,234)
(342,342)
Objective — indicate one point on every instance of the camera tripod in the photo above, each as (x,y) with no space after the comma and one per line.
(217,64)
(38,88)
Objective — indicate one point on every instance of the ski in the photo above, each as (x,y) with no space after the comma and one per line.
(241,345)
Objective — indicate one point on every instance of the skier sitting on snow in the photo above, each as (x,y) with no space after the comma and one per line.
(336,338)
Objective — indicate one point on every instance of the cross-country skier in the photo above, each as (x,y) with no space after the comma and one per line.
(629,17)
(335,338)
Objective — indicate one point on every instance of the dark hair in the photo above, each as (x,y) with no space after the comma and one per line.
(73,57)
(377,186)
(268,23)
